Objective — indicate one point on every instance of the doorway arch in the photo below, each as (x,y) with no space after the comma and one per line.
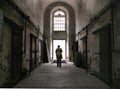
(71,24)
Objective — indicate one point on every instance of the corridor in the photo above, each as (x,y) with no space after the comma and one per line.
(48,76)
(87,32)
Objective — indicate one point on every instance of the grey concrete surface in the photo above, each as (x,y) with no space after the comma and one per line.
(48,76)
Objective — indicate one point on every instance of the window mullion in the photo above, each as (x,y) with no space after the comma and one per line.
(59,21)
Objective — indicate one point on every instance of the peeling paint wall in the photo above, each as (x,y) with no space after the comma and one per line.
(90,9)
(93,40)
(33,9)
(86,10)
(6,53)
(12,16)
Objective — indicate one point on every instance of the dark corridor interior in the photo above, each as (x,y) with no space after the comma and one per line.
(91,34)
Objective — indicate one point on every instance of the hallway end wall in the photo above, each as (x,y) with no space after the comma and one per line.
(71,29)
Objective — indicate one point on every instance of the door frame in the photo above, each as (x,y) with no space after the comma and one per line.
(84,52)
(108,27)
(32,67)
(65,48)
(14,27)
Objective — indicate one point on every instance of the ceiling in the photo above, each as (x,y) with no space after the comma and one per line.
(84,9)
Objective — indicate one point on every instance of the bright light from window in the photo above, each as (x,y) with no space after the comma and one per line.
(59,21)
(59,12)
(55,45)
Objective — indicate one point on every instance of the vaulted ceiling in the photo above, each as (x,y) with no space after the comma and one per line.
(84,10)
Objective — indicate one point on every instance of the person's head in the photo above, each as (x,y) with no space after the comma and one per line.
(58,46)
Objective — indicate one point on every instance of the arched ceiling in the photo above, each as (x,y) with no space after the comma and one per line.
(84,10)
(73,3)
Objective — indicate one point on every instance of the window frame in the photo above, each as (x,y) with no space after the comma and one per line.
(53,24)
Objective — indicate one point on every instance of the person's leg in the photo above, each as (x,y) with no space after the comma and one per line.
(57,62)
(60,63)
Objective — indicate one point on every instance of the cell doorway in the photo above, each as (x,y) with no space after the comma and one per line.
(62,44)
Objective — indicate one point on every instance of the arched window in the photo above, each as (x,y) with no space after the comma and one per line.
(59,20)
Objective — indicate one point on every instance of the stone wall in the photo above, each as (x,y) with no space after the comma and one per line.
(111,16)
(33,9)
(87,10)
(93,40)
(93,25)
(6,53)
(12,16)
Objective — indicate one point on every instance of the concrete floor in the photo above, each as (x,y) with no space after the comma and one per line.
(48,76)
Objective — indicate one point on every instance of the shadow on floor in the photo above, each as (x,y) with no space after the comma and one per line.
(62,61)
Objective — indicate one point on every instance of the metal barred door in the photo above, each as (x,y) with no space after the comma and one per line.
(16,54)
(105,54)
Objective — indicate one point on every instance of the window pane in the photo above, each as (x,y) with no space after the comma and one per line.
(59,13)
(59,21)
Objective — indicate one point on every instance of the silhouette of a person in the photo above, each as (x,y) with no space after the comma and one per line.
(59,56)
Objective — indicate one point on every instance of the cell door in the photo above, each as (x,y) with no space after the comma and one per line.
(16,55)
(85,52)
(105,54)
(33,62)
